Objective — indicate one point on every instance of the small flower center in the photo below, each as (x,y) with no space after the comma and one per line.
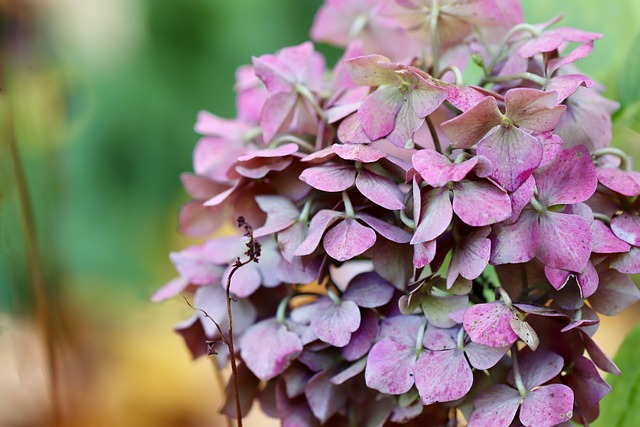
(505,122)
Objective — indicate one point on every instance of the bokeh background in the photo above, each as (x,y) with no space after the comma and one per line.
(100,98)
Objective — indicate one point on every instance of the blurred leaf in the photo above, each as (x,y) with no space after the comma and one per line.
(628,82)
(616,409)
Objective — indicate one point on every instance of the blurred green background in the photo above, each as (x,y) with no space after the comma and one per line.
(102,96)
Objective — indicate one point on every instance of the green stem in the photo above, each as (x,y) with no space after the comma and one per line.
(348,206)
(406,220)
(526,76)
(420,337)
(537,205)
(516,372)
(625,164)
(434,134)
(304,215)
(602,217)
(295,139)
(306,94)
(503,43)
(36,281)
(456,72)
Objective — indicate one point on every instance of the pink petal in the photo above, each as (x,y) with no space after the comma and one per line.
(281,213)
(521,198)
(350,131)
(515,243)
(195,219)
(369,290)
(348,239)
(442,376)
(435,217)
(365,71)
(615,292)
(290,239)
(628,263)
(334,323)
(604,241)
(378,111)
(627,227)
(331,178)
(480,203)
(437,170)
(358,152)
(567,85)
(281,151)
(319,223)
(380,190)
(244,282)
(565,241)
(170,289)
(482,356)
(268,348)
(533,109)
(570,178)
(201,187)
(622,182)
(489,324)
(553,39)
(551,146)
(386,230)
(514,154)
(467,129)
(425,98)
(390,367)
(547,406)
(196,266)
(277,113)
(424,253)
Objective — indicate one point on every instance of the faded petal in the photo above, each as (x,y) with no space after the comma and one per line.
(268,347)
(480,203)
(547,406)
(469,128)
(604,241)
(442,376)
(324,397)
(348,239)
(378,111)
(616,291)
(363,338)
(565,241)
(435,215)
(385,229)
(495,407)
(484,357)
(515,243)
(489,324)
(331,178)
(380,190)
(390,367)
(319,223)
(627,227)
(334,323)
(622,182)
(369,290)
(533,109)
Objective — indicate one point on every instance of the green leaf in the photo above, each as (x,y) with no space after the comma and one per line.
(616,409)
(628,82)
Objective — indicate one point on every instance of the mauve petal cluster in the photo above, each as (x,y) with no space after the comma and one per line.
(431,249)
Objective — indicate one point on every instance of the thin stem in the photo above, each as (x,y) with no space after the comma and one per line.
(420,337)
(526,76)
(348,206)
(602,217)
(624,158)
(460,340)
(434,134)
(537,205)
(456,72)
(306,94)
(36,275)
(295,139)
(516,372)
(503,43)
(406,220)
(435,15)
(234,367)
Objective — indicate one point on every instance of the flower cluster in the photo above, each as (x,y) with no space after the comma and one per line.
(430,249)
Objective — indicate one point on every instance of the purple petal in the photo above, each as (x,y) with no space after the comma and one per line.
(438,339)
(566,85)
(363,338)
(470,257)
(558,278)
(570,178)
(628,263)
(268,347)
(319,223)
(386,230)
(348,239)
(615,292)
(480,203)
(334,323)
(514,154)
(294,413)
(324,397)
(467,129)
(369,290)
(484,357)
(565,241)
(538,367)
(576,54)
(521,198)
(212,300)
(436,214)
(489,324)
(588,385)
(393,262)
(547,406)
(604,241)
(291,238)
(495,407)
(424,253)
(390,367)
(442,376)
(551,146)
(295,378)
(515,243)
(195,265)
(331,178)
(402,329)
(195,219)
(380,190)
(248,387)
(349,372)
(378,111)
(598,356)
